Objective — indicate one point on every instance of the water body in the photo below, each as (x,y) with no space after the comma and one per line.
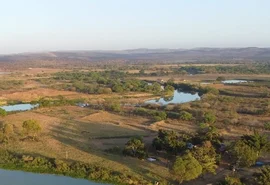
(178,97)
(25,178)
(18,107)
(234,81)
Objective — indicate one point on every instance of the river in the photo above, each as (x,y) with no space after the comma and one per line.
(8,177)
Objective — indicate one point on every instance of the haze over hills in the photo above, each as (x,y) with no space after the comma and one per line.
(197,54)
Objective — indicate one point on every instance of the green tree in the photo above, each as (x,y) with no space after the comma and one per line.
(169,90)
(31,128)
(206,155)
(169,141)
(186,168)
(3,112)
(135,148)
(212,134)
(257,141)
(156,88)
(245,155)
(170,82)
(263,178)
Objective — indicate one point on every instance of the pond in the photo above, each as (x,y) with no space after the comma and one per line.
(178,97)
(25,178)
(18,107)
(234,81)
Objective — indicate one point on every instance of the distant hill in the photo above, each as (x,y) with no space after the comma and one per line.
(197,54)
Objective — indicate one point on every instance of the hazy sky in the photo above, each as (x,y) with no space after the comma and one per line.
(42,25)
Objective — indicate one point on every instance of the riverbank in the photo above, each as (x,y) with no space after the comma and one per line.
(44,165)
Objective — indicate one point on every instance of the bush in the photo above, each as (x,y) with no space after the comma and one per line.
(267,126)
(186,116)
(220,78)
(157,115)
(3,112)
(31,127)
(209,118)
(229,180)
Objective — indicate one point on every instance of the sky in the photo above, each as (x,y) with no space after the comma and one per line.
(50,25)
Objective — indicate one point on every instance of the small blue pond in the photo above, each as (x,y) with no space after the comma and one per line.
(18,107)
(178,97)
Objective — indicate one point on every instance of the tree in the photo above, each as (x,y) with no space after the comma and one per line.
(3,112)
(263,178)
(170,81)
(206,155)
(186,168)
(31,128)
(245,155)
(156,88)
(169,90)
(185,116)
(169,141)
(212,134)
(135,148)
(257,141)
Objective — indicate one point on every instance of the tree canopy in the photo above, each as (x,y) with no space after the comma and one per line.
(186,168)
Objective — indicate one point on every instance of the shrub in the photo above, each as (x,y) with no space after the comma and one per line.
(220,78)
(209,117)
(267,126)
(3,112)
(31,127)
(229,180)
(186,116)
